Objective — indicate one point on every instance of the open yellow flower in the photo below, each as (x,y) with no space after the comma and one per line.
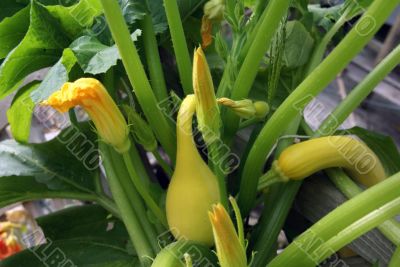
(90,94)
(230,249)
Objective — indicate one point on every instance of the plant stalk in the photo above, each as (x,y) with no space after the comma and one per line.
(180,47)
(390,228)
(300,253)
(144,193)
(137,76)
(268,25)
(156,72)
(129,217)
(300,97)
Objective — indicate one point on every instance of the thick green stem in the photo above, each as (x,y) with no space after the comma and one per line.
(134,199)
(248,71)
(129,217)
(390,228)
(309,88)
(359,93)
(180,47)
(395,261)
(144,193)
(357,229)
(137,76)
(300,253)
(153,59)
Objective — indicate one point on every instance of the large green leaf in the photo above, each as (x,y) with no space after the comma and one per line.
(95,57)
(86,235)
(75,18)
(10,7)
(19,115)
(64,163)
(298,45)
(25,188)
(41,47)
(68,253)
(13,30)
(382,145)
(56,77)
(84,222)
(135,10)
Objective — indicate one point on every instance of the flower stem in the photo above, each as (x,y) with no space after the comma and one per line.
(180,47)
(248,71)
(143,190)
(303,250)
(137,76)
(390,228)
(358,228)
(359,93)
(153,59)
(129,217)
(304,93)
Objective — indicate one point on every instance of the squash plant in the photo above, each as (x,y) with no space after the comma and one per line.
(179,80)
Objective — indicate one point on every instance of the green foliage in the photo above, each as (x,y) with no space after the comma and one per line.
(298,45)
(95,57)
(64,163)
(19,115)
(56,77)
(382,145)
(40,48)
(10,7)
(49,32)
(76,17)
(13,30)
(83,236)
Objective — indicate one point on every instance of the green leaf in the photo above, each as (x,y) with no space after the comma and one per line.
(41,47)
(382,145)
(25,188)
(19,115)
(95,57)
(298,45)
(82,253)
(56,77)
(133,10)
(64,163)
(13,30)
(75,18)
(85,235)
(10,7)
(84,222)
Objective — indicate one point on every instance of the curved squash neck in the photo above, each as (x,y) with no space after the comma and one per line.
(187,152)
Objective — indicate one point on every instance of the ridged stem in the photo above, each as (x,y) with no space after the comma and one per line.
(143,191)
(156,72)
(304,93)
(137,76)
(300,252)
(180,47)
(129,217)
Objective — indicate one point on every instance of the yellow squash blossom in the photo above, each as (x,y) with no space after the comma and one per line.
(90,94)
(206,103)
(230,248)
